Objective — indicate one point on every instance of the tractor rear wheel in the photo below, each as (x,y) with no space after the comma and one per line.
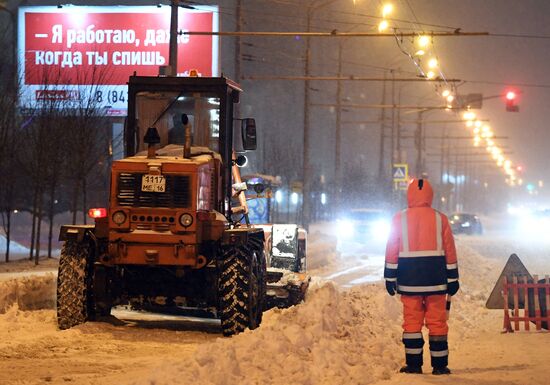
(241,288)
(73,285)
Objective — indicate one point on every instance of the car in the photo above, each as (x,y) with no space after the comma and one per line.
(364,225)
(465,223)
(532,224)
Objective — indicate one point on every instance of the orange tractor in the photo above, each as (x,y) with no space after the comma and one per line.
(176,232)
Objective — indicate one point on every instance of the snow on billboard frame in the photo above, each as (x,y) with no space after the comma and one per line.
(65,53)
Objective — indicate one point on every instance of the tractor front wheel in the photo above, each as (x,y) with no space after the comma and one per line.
(241,288)
(73,285)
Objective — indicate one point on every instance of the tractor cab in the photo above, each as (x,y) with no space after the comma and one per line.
(192,116)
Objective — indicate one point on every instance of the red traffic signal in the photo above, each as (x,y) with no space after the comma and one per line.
(511,97)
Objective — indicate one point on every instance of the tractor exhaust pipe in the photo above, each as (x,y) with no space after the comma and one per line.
(151,138)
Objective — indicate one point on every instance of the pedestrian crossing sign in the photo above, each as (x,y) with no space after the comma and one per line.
(400,172)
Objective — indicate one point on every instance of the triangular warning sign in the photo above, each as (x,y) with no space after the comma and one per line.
(399,173)
(513,267)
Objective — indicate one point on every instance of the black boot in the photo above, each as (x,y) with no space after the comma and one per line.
(413,352)
(441,370)
(439,352)
(411,369)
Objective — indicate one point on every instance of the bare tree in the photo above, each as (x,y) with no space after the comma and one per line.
(65,140)
(8,137)
(39,154)
(86,142)
(56,162)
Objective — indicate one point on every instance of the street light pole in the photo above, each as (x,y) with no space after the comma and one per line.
(306,167)
(382,143)
(173,54)
(312,7)
(419,145)
(338,139)
(338,135)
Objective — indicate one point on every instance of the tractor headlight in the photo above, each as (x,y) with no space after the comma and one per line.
(119,217)
(186,220)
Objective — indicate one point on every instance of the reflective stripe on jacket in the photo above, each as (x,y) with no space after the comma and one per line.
(420,253)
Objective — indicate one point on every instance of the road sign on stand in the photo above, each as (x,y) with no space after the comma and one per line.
(400,185)
(400,176)
(400,172)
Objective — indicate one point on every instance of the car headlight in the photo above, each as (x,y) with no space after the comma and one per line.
(186,220)
(346,228)
(119,217)
(381,229)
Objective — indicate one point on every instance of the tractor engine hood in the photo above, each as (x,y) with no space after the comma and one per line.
(175,152)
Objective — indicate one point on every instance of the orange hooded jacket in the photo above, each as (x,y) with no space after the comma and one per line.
(420,253)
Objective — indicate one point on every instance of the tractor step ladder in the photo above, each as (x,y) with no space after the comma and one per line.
(533,296)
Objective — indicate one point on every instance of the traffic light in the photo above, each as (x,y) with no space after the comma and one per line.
(511,101)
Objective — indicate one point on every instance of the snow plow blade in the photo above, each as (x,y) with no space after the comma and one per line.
(285,288)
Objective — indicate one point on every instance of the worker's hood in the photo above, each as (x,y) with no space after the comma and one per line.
(420,193)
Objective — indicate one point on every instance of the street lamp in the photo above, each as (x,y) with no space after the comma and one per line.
(423,41)
(383,26)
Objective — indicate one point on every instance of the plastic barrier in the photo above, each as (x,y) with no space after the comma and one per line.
(531,295)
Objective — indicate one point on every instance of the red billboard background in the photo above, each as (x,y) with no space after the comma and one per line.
(105,45)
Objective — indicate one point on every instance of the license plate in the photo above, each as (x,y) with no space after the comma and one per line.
(153,183)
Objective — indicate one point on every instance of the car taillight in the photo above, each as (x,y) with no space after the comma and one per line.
(97,213)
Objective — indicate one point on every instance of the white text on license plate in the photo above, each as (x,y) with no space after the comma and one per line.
(153,183)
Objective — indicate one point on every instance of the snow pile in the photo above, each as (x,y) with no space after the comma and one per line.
(25,325)
(28,293)
(337,336)
(344,336)
(15,247)
(478,275)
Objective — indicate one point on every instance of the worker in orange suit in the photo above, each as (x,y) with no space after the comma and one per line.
(421,265)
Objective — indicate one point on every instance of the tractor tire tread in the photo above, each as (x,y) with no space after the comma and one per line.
(234,285)
(72,286)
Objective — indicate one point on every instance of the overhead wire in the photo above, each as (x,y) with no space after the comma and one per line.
(419,24)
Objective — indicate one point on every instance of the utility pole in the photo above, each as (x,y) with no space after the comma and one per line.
(393,110)
(398,144)
(457,185)
(418,144)
(382,136)
(173,54)
(312,7)
(442,156)
(306,169)
(338,139)
(238,43)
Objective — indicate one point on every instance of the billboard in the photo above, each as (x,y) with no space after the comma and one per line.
(76,52)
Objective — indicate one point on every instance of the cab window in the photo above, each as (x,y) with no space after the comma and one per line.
(167,111)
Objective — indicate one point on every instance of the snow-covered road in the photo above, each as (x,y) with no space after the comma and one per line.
(347,332)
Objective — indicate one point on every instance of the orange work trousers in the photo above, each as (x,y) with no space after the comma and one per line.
(425,309)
